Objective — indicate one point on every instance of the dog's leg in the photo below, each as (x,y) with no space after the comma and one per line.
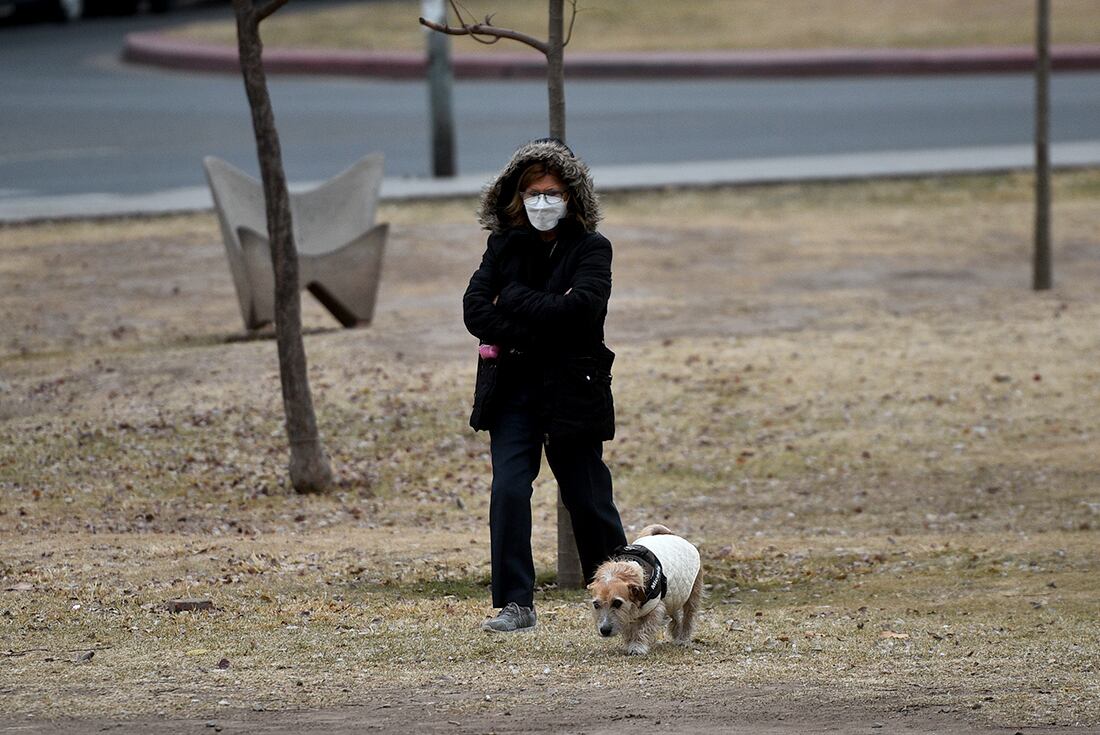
(675,624)
(634,641)
(691,608)
(642,633)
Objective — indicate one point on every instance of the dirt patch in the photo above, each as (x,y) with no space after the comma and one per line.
(882,441)
(738,710)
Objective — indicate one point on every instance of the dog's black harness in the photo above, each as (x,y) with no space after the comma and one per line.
(656,586)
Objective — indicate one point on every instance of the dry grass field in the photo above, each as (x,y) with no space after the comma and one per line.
(656,25)
(883,442)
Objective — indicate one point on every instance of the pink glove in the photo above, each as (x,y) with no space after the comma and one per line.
(488,352)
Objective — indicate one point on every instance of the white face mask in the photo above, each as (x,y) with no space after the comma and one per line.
(544,217)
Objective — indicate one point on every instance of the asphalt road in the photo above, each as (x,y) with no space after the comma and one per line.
(73,119)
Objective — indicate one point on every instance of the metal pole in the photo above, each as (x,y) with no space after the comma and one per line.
(1041,275)
(440,79)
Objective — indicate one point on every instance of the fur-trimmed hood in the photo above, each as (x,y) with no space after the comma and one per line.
(556,155)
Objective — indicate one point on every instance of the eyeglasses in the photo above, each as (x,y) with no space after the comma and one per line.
(552,196)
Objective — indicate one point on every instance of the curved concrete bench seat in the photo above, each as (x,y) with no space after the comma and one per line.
(345,280)
(339,246)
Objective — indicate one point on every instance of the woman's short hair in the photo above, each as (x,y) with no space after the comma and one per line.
(515,213)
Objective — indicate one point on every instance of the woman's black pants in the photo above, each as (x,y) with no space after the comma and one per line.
(516,443)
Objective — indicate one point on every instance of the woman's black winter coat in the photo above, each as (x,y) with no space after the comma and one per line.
(550,338)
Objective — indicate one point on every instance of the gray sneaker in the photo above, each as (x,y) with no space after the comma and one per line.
(510,619)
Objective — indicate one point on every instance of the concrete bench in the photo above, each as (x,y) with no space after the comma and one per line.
(339,245)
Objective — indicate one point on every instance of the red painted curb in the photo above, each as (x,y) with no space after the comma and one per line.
(159,50)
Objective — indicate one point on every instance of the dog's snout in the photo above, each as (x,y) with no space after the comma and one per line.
(605,631)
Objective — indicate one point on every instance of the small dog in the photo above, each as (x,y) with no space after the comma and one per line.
(656,579)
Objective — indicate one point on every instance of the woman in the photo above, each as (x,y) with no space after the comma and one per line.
(538,303)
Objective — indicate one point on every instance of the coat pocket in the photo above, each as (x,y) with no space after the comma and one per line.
(583,401)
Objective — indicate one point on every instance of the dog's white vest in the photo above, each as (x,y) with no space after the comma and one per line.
(680,563)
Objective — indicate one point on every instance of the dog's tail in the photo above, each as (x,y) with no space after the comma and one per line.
(655,529)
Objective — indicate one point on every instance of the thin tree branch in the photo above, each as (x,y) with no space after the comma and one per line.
(480,29)
(25,651)
(266,10)
(572,20)
(458,8)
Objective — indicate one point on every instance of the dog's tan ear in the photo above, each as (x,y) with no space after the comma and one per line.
(637,594)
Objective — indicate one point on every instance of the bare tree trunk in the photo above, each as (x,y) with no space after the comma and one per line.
(309,466)
(569,563)
(555,70)
(1041,273)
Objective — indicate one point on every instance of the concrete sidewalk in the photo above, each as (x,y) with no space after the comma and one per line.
(943,161)
(158,49)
